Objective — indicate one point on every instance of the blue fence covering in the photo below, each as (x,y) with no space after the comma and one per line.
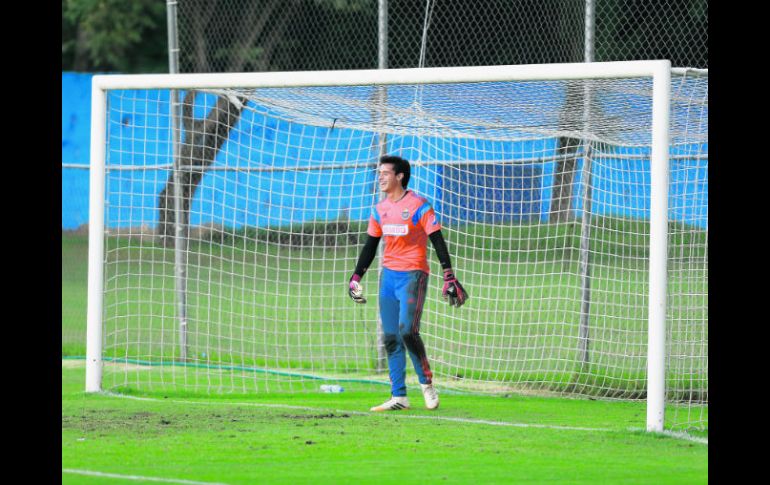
(517,192)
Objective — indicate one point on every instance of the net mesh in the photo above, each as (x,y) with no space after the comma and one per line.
(542,189)
(292,35)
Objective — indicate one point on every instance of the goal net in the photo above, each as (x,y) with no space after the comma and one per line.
(231,210)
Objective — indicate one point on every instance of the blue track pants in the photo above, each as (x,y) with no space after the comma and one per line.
(402,296)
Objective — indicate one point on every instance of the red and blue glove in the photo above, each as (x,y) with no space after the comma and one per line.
(453,291)
(354,289)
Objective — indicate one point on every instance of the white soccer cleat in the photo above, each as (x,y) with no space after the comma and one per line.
(430,395)
(395,403)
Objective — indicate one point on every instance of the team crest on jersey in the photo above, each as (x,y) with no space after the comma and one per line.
(405,214)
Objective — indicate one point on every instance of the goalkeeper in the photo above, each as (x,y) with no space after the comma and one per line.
(406,221)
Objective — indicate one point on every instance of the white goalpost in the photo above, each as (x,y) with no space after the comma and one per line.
(572,196)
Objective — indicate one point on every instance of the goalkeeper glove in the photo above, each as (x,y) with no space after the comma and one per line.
(354,289)
(453,291)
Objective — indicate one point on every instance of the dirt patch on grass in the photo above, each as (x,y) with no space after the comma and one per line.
(315,416)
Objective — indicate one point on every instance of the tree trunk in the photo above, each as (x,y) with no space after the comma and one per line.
(81,61)
(571,121)
(563,178)
(201,16)
(202,140)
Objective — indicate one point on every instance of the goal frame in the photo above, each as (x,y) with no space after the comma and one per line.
(658,70)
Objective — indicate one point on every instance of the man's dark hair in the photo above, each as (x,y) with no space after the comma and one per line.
(400,165)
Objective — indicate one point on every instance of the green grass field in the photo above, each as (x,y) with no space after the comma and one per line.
(332,438)
(204,423)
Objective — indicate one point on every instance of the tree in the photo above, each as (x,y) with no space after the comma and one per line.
(232,36)
(202,140)
(567,147)
(269,35)
(653,29)
(114,35)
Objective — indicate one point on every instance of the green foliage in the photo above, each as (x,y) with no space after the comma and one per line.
(653,29)
(114,35)
(131,36)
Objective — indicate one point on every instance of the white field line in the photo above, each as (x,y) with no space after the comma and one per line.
(408,416)
(678,435)
(92,473)
(684,436)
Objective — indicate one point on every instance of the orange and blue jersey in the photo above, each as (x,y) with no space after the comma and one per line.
(405,226)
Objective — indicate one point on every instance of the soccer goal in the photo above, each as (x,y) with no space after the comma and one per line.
(227,212)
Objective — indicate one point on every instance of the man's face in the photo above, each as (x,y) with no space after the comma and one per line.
(388,179)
